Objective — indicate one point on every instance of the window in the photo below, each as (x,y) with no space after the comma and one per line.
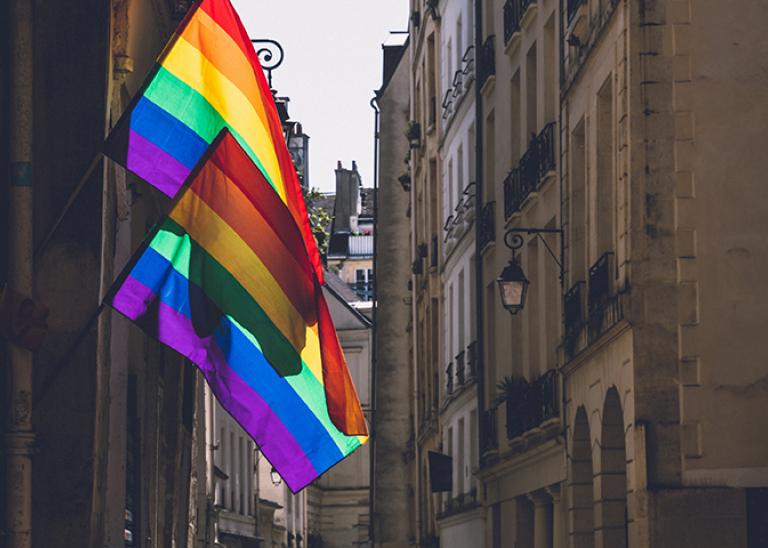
(605,180)
(578,206)
(460,458)
(363,286)
(531,92)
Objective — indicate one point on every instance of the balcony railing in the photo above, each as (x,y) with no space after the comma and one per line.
(512,18)
(469,66)
(449,379)
(573,7)
(487,225)
(473,360)
(488,438)
(574,309)
(528,405)
(364,290)
(600,278)
(538,161)
(460,503)
(486,60)
(459,85)
(604,305)
(514,11)
(461,377)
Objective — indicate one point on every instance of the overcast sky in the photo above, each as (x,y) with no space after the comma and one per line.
(332,66)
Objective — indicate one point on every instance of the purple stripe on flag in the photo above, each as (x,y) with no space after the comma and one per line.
(242,402)
(133,298)
(154,165)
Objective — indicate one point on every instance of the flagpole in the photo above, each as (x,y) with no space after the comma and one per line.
(67,206)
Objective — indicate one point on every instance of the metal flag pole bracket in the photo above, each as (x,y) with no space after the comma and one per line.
(68,205)
(270,53)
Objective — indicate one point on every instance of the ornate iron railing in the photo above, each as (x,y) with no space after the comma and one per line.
(574,308)
(449,379)
(528,405)
(573,7)
(533,166)
(460,369)
(600,282)
(473,361)
(604,303)
(512,17)
(486,60)
(488,438)
(487,225)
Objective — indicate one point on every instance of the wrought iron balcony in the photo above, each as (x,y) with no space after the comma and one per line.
(534,165)
(514,11)
(449,379)
(600,282)
(486,60)
(447,104)
(512,18)
(488,438)
(546,144)
(364,290)
(528,405)
(573,7)
(473,361)
(487,225)
(460,369)
(574,309)
(469,66)
(604,302)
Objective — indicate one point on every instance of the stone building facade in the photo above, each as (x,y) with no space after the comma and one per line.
(620,407)
(393,505)
(109,427)
(660,363)
(424,135)
(522,468)
(460,515)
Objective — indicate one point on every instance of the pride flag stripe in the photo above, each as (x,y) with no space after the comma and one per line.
(172,248)
(209,78)
(172,289)
(242,402)
(195,264)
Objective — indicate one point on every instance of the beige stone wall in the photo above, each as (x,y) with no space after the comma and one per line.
(393,505)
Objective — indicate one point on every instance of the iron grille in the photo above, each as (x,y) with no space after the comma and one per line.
(573,7)
(472,360)
(486,62)
(487,225)
(460,369)
(512,17)
(489,441)
(534,165)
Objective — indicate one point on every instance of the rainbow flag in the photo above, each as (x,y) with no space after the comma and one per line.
(208,78)
(225,280)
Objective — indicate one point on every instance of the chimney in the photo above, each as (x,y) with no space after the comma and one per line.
(346,206)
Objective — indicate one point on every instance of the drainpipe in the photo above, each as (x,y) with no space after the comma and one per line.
(479,286)
(19,438)
(372,429)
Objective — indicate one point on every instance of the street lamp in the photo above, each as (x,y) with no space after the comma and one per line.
(276,479)
(512,282)
(513,287)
